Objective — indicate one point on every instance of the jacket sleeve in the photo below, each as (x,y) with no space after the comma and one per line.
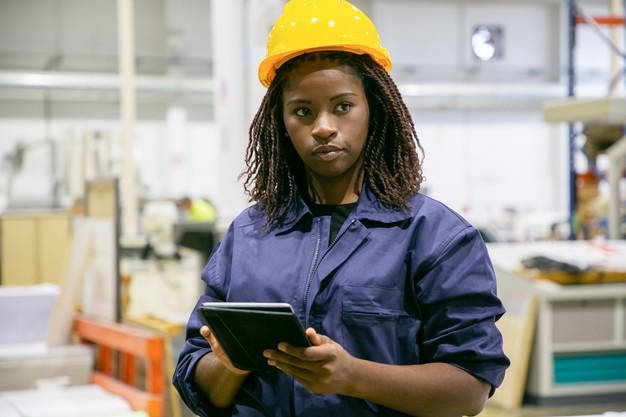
(460,307)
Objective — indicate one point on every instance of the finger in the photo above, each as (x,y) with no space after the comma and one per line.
(205,332)
(208,335)
(291,365)
(292,358)
(316,338)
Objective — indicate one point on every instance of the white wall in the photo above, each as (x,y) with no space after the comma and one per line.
(164,170)
(484,163)
(486,152)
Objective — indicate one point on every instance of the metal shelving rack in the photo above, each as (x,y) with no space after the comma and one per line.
(575,360)
(610,110)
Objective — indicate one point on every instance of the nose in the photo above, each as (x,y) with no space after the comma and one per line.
(324,128)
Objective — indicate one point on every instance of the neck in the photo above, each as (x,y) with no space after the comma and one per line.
(333,191)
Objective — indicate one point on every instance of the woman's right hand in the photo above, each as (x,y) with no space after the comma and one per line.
(219,352)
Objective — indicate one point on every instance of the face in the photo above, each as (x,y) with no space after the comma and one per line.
(326,116)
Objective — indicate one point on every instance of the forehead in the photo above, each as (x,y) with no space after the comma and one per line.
(317,69)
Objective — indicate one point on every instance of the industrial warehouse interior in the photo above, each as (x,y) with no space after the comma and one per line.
(124,128)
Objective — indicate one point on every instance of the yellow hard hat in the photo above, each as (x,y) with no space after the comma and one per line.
(320,25)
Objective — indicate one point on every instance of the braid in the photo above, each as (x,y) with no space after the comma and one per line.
(392,155)
(268,177)
(392,165)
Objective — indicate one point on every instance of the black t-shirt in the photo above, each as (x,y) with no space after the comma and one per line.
(338,214)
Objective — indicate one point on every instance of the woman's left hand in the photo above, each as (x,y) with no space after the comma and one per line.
(324,368)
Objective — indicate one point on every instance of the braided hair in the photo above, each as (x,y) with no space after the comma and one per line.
(392,155)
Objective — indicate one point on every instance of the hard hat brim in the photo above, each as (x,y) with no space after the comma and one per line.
(268,67)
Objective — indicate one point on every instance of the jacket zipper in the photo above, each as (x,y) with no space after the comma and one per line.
(317,261)
(312,269)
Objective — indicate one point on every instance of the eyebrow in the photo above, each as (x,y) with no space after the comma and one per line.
(333,98)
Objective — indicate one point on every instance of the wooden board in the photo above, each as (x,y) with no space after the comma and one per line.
(585,277)
(602,110)
(518,328)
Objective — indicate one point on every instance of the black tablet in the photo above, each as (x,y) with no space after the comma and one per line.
(245,330)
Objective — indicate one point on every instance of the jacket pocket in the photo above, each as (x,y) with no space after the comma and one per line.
(376,327)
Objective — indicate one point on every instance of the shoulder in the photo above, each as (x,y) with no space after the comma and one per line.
(250,216)
(440,225)
(432,211)
(250,222)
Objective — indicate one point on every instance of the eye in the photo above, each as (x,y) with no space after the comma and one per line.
(343,107)
(303,112)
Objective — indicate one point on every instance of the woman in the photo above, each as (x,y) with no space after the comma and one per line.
(396,290)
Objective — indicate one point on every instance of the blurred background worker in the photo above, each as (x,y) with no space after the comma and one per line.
(196,230)
(198,209)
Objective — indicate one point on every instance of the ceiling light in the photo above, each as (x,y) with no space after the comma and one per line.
(487,42)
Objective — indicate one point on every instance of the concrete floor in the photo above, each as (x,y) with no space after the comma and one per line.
(605,410)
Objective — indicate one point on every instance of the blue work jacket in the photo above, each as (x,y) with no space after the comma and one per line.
(393,287)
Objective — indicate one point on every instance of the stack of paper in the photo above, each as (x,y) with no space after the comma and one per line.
(27,314)
(73,401)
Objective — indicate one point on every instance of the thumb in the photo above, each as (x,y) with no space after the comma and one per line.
(316,338)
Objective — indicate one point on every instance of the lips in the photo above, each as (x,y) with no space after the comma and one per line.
(326,152)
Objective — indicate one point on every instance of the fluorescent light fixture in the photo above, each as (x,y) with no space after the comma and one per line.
(487,42)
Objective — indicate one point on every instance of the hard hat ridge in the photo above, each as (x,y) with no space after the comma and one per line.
(320,25)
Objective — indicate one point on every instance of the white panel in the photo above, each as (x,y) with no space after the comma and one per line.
(535,48)
(151,155)
(592,54)
(228,45)
(32,20)
(433,37)
(483,162)
(33,182)
(188,30)
(418,33)
(177,143)
(150,28)
(203,162)
(86,28)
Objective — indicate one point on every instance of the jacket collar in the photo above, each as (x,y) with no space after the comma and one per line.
(368,208)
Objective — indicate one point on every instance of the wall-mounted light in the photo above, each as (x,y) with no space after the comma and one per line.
(487,42)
